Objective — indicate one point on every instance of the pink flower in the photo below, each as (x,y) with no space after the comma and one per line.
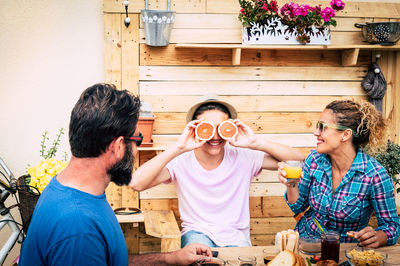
(242,11)
(274,6)
(337,4)
(327,14)
(304,10)
(316,9)
(265,7)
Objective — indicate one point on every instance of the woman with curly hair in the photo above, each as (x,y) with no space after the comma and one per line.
(342,186)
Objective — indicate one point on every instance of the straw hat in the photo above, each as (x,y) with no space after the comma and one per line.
(210,99)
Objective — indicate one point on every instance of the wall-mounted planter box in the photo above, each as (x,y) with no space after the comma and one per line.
(274,32)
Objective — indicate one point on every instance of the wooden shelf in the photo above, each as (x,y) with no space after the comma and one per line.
(349,52)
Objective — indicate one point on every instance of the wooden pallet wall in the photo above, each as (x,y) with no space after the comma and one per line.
(278,93)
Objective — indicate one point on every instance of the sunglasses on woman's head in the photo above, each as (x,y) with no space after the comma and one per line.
(138,139)
(321,126)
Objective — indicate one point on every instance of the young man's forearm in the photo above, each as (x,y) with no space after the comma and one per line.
(278,151)
(146,173)
(152,259)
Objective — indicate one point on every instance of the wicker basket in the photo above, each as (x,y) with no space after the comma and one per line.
(27,201)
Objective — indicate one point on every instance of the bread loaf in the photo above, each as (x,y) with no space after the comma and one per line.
(287,240)
(284,258)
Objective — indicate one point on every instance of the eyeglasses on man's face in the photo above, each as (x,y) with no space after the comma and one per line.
(321,126)
(138,139)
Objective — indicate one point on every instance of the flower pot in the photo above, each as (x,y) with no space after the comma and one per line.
(275,32)
(145,125)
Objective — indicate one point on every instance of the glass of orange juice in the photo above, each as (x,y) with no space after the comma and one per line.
(293,171)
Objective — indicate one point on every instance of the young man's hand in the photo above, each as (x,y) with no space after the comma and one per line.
(187,141)
(245,137)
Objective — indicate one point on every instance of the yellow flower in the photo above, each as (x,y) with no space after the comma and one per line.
(43,172)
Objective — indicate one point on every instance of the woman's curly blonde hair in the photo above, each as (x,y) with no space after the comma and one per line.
(364,119)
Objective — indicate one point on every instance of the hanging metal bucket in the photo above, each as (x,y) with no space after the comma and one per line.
(158,25)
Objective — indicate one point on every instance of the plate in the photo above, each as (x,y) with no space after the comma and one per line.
(365,256)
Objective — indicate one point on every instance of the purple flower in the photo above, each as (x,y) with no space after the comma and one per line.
(327,14)
(337,4)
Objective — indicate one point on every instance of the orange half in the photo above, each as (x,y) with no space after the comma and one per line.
(227,130)
(205,130)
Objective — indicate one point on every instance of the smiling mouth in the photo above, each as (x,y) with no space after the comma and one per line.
(215,142)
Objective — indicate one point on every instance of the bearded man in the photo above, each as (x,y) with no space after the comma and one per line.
(73,224)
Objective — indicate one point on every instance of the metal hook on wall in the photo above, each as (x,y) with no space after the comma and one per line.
(127,20)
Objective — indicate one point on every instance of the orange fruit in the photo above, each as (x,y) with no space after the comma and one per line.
(227,130)
(204,130)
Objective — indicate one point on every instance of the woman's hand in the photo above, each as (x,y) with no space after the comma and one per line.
(245,137)
(188,141)
(370,238)
(282,173)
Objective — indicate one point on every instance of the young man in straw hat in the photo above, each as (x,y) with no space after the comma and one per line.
(213,177)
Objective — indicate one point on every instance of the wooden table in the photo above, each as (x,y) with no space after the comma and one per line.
(231,254)
(161,224)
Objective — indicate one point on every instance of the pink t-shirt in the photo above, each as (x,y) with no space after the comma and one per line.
(216,202)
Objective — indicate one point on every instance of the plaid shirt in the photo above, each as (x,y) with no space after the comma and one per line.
(365,188)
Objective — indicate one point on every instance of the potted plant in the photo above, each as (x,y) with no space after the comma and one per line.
(38,177)
(145,123)
(293,24)
(390,159)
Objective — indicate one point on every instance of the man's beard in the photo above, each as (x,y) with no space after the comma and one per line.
(121,172)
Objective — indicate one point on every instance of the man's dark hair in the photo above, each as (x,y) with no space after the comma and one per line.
(211,106)
(101,114)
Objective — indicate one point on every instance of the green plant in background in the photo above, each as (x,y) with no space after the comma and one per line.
(390,159)
(40,174)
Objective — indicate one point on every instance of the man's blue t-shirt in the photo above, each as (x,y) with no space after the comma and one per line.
(71,227)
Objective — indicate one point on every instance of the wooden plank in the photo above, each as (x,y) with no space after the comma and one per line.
(331,88)
(129,198)
(267,207)
(236,53)
(353,9)
(114,196)
(174,123)
(132,218)
(235,36)
(251,73)
(167,191)
(130,54)
(271,225)
(117,6)
(161,142)
(180,6)
(112,49)
(171,55)
(231,21)
(260,207)
(396,113)
(131,235)
(250,103)
(350,56)
(161,224)
(262,240)
(148,244)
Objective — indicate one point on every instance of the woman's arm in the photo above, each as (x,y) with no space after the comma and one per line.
(385,211)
